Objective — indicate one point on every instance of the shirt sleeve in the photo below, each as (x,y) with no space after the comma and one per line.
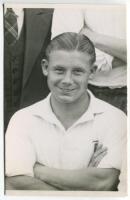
(115,137)
(116,141)
(19,151)
(67,20)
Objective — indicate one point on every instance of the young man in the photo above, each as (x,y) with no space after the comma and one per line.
(51,144)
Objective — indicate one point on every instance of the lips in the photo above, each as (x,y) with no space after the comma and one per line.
(67,89)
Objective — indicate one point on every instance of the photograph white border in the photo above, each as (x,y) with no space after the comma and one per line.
(38,194)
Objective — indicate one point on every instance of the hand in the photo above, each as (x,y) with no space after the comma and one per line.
(103,65)
(98,155)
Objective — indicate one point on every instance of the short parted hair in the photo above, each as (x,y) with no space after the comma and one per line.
(70,41)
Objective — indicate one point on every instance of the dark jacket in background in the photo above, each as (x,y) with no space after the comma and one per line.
(24,83)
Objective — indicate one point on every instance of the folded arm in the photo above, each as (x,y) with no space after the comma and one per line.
(114,46)
(90,179)
(26,183)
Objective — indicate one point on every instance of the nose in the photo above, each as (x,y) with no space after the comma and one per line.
(67,79)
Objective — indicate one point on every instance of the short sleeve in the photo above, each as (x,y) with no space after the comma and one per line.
(19,151)
(67,20)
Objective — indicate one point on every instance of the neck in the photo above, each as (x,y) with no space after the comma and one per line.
(69,113)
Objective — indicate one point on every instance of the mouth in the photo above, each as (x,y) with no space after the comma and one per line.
(67,90)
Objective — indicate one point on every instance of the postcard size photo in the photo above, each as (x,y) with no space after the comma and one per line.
(65,99)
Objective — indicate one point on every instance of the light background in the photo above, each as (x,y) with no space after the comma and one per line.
(77,197)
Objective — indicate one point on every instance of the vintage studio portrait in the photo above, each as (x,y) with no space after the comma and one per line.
(65,98)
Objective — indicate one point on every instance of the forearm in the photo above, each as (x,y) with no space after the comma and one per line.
(113,46)
(26,183)
(91,179)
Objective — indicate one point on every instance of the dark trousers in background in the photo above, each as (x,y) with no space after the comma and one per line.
(117,96)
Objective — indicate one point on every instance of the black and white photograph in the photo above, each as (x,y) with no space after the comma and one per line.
(65,99)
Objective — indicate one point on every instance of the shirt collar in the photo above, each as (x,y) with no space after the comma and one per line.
(17,10)
(95,107)
(43,110)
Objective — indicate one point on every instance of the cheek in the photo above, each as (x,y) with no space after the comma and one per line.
(53,78)
(82,81)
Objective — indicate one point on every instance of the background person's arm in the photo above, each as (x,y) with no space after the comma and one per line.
(114,46)
(90,179)
(26,183)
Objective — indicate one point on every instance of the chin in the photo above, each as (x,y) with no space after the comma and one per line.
(66,100)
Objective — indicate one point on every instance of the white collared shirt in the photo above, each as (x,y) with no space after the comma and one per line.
(20,17)
(35,134)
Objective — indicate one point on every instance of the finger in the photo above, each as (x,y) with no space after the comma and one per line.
(99,146)
(96,157)
(100,151)
(99,158)
(95,162)
(91,163)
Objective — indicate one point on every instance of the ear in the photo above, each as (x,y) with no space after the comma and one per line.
(93,70)
(44,64)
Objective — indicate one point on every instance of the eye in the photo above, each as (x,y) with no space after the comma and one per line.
(59,70)
(78,71)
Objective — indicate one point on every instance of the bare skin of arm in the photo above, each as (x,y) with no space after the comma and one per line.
(90,179)
(26,183)
(55,179)
(114,46)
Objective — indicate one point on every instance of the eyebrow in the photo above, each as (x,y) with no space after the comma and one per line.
(79,68)
(73,68)
(58,67)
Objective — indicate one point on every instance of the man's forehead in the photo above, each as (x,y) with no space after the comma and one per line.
(73,54)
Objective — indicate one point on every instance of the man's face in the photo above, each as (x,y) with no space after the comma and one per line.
(68,74)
